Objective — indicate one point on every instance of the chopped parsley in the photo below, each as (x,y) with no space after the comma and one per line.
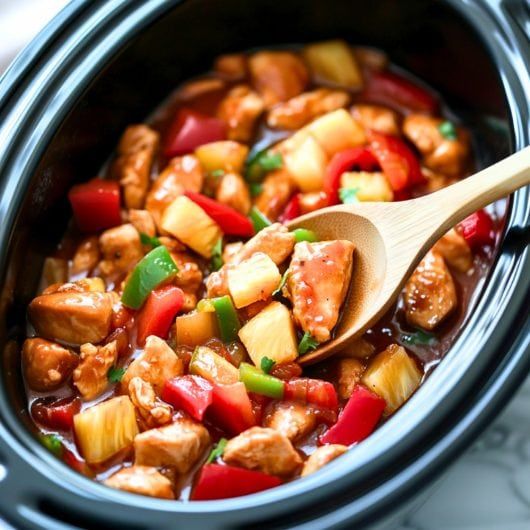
(53,443)
(261,163)
(217,255)
(419,337)
(447,130)
(267,364)
(348,195)
(283,281)
(307,343)
(149,240)
(255,188)
(115,374)
(217,451)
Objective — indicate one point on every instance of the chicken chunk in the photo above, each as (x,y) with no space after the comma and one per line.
(359,349)
(46,365)
(121,249)
(240,109)
(84,285)
(155,365)
(294,420)
(430,294)
(232,66)
(441,154)
(136,152)
(90,376)
(189,278)
(152,410)
(143,221)
(179,445)
(142,480)
(86,256)
(181,173)
(262,449)
(74,318)
(349,373)
(322,456)
(277,189)
(233,192)
(377,118)
(230,250)
(455,251)
(300,110)
(199,87)
(278,76)
(319,278)
(309,202)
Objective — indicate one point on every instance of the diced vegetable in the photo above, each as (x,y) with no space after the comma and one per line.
(149,240)
(393,375)
(259,220)
(267,364)
(190,393)
(53,443)
(236,481)
(307,343)
(217,255)
(315,391)
(217,451)
(477,230)
(368,186)
(158,313)
(56,414)
(292,210)
(419,337)
(106,428)
(358,419)
(115,374)
(261,383)
(448,130)
(190,129)
(230,221)
(189,223)
(96,195)
(208,364)
(333,61)
(225,156)
(283,281)
(303,234)
(253,279)
(153,269)
(270,334)
(205,305)
(196,328)
(261,163)
(226,318)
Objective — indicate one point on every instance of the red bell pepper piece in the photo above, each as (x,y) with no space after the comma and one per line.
(358,419)
(231,408)
(477,230)
(223,482)
(96,204)
(71,460)
(191,393)
(315,391)
(190,129)
(230,221)
(390,89)
(56,413)
(399,164)
(359,158)
(158,312)
(291,211)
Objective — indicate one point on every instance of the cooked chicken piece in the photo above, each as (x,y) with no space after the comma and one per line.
(230,250)
(84,285)
(155,365)
(371,58)
(74,318)
(322,456)
(430,294)
(309,202)
(233,192)
(181,173)
(90,376)
(143,480)
(435,181)
(277,189)
(143,221)
(262,449)
(46,364)
(319,278)
(232,66)
(377,118)
(439,153)
(240,109)
(153,411)
(278,76)
(173,245)
(121,249)
(300,110)
(359,349)
(294,420)
(189,277)
(86,256)
(179,445)
(199,87)
(136,152)
(349,373)
(54,270)
(455,251)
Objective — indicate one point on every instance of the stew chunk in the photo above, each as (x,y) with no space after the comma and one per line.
(321,457)
(143,480)
(294,420)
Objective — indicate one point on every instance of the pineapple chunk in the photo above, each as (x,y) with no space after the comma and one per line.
(270,334)
(94,284)
(253,279)
(336,131)
(226,155)
(196,328)
(369,186)
(188,222)
(334,61)
(393,375)
(307,164)
(208,364)
(106,428)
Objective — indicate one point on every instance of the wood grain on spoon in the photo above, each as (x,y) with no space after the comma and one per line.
(392,237)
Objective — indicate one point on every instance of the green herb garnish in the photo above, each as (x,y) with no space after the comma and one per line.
(53,443)
(217,255)
(217,451)
(447,130)
(307,343)
(115,374)
(261,163)
(283,281)
(149,240)
(217,173)
(348,195)
(418,337)
(255,188)
(259,220)
(267,364)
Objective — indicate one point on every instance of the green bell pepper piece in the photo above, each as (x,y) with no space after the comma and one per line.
(302,234)
(226,317)
(259,220)
(260,383)
(53,443)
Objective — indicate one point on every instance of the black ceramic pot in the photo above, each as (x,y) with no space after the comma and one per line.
(102,65)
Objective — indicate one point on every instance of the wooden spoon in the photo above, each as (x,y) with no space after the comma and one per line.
(392,237)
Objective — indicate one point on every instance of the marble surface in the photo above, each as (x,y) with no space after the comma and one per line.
(489,487)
